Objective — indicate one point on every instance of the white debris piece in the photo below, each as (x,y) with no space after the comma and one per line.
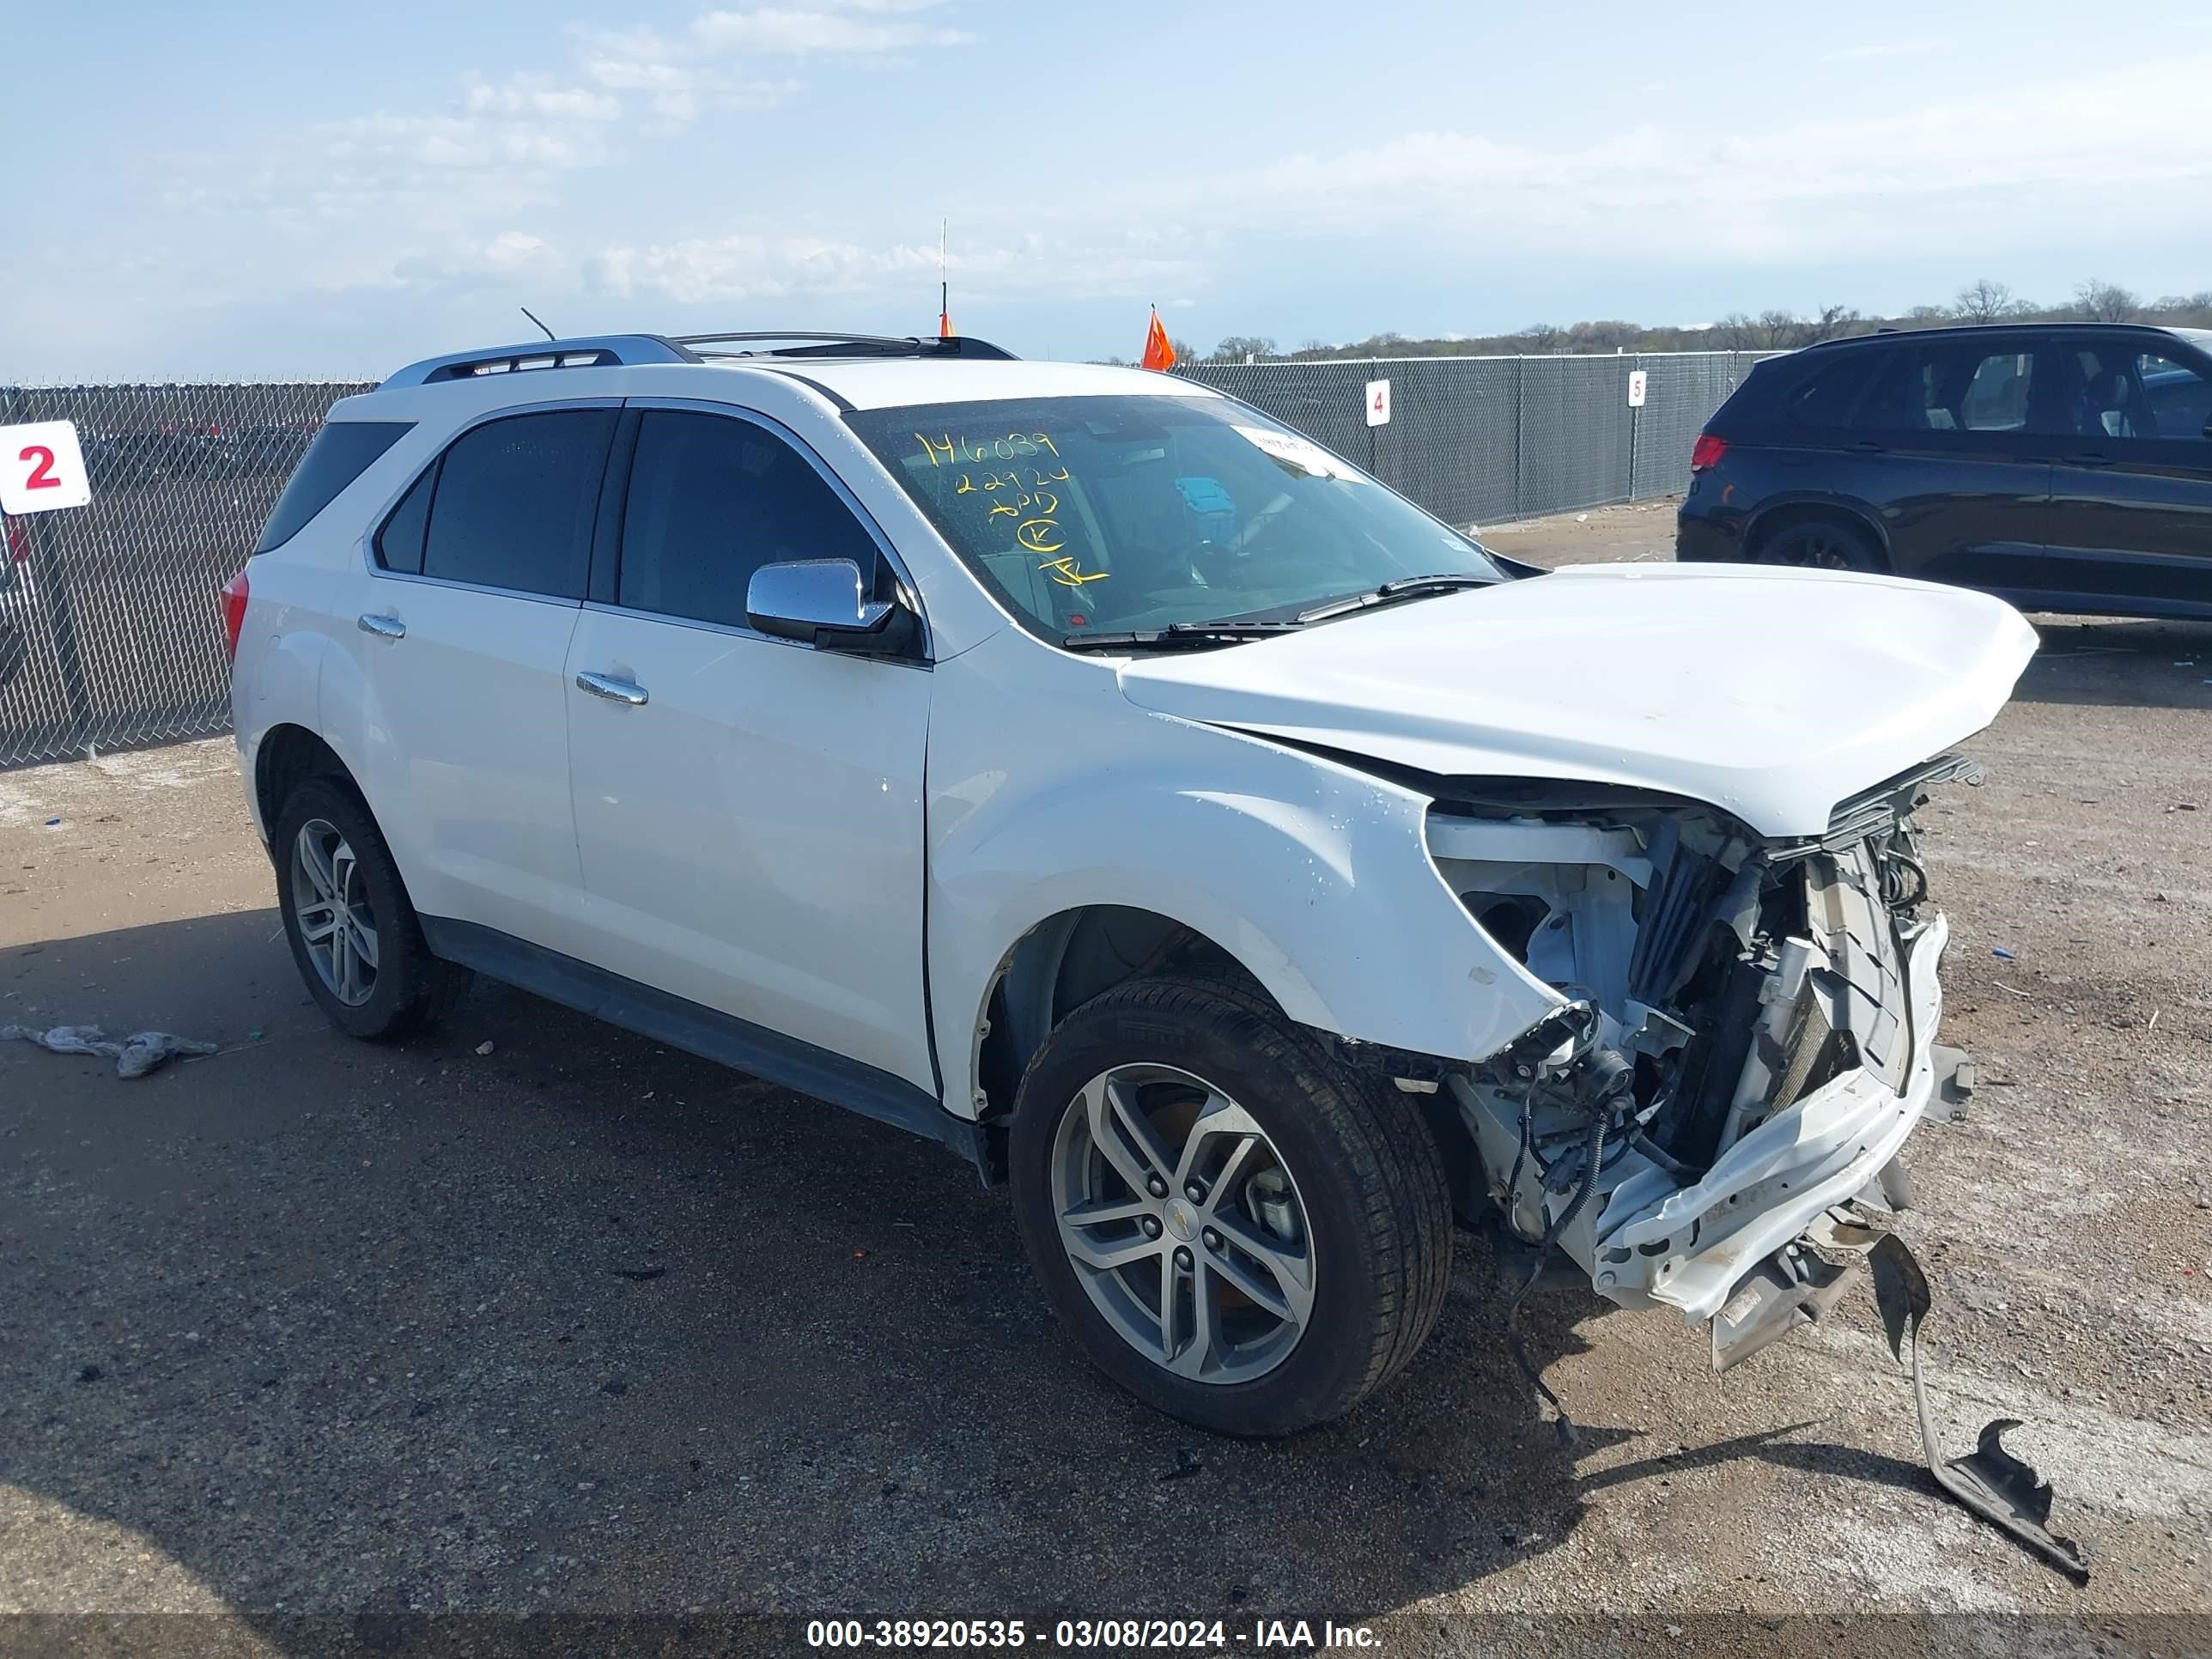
(143,1052)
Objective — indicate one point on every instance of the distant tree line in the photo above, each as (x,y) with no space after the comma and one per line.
(1980,301)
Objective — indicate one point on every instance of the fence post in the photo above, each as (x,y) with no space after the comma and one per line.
(1519,406)
(50,570)
(1635,421)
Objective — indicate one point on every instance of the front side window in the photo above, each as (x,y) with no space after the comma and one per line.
(515,502)
(712,499)
(1088,515)
(2178,395)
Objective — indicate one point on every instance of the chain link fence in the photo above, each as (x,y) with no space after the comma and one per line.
(1480,440)
(108,613)
(110,635)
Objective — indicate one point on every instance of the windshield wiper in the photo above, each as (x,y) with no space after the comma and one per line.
(1406,587)
(1182,635)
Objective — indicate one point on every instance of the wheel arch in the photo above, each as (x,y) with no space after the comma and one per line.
(1775,516)
(286,756)
(1061,963)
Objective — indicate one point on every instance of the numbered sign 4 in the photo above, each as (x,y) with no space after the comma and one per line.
(1378,402)
(41,468)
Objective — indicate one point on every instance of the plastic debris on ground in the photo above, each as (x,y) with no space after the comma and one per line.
(2003,955)
(136,1056)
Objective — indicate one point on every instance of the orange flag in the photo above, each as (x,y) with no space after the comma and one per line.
(1159,351)
(944,324)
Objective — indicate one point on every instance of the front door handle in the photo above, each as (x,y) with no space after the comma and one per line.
(385,628)
(612,689)
(2089,460)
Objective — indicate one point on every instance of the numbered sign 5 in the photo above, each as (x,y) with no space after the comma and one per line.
(41,468)
(1378,402)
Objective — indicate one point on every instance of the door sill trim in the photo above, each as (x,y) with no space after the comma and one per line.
(708,1032)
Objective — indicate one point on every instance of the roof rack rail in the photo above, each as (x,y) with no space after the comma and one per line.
(817,345)
(628,350)
(595,351)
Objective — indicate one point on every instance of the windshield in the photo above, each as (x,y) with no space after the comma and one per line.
(1096,516)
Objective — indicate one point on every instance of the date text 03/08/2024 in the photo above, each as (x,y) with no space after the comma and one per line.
(1076,1635)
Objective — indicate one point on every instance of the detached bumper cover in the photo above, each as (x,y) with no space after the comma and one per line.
(1689,1247)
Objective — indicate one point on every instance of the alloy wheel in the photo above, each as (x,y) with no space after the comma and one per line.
(330,900)
(1183,1224)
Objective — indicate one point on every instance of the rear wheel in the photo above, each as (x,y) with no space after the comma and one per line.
(1821,544)
(353,935)
(1233,1225)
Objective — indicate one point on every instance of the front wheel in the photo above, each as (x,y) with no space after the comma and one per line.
(1234,1225)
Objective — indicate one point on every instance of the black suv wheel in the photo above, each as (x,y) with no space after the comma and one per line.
(1822,545)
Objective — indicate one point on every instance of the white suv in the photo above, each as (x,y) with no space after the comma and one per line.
(1077,767)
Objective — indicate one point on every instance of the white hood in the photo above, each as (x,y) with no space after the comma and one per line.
(1773,693)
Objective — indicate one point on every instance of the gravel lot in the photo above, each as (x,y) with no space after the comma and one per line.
(578,1324)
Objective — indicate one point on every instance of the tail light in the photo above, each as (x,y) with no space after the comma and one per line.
(233,613)
(1707,451)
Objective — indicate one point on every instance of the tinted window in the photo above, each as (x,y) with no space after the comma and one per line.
(340,454)
(1827,399)
(516,502)
(2180,396)
(1950,385)
(711,499)
(400,544)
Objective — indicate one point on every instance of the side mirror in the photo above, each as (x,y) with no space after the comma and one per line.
(821,602)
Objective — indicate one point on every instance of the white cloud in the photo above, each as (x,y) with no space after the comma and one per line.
(1999,168)
(1883,49)
(780,32)
(525,95)
(749,267)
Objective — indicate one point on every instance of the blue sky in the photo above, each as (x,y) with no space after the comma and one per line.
(244,190)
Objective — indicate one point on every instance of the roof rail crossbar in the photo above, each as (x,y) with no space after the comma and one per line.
(604,351)
(814,344)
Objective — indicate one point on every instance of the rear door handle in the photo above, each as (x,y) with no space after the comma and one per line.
(612,689)
(2089,460)
(385,628)
(1866,447)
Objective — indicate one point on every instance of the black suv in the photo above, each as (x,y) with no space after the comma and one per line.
(2061,466)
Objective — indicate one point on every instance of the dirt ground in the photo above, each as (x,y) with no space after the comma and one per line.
(574,1324)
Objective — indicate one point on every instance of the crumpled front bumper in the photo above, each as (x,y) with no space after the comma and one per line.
(1689,1247)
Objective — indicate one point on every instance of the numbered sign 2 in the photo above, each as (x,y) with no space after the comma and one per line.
(1378,402)
(41,468)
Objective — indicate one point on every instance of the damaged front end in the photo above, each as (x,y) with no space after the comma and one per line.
(1746,1041)
(1748,1037)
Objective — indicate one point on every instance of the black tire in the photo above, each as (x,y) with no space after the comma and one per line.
(1823,545)
(412,989)
(1367,1174)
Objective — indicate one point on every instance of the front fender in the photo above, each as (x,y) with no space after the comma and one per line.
(1315,877)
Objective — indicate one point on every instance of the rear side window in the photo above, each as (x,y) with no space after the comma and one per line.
(1951,385)
(400,544)
(514,502)
(341,452)
(1828,398)
(712,499)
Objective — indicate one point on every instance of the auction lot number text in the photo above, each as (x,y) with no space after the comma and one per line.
(1079,1634)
